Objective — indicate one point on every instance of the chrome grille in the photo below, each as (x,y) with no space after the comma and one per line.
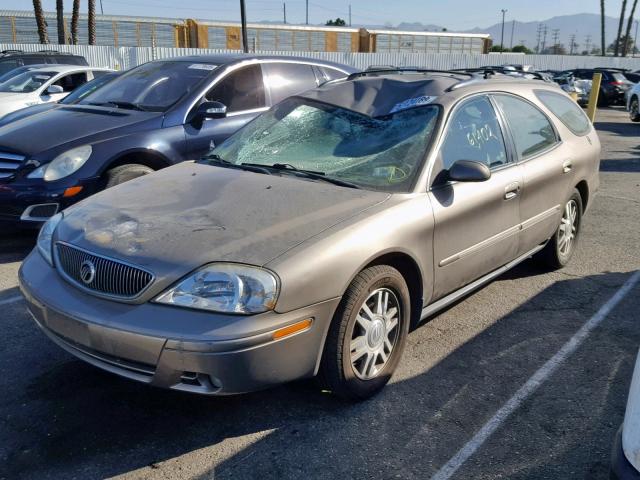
(9,163)
(110,277)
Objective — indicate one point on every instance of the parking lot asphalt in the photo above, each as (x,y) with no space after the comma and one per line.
(61,418)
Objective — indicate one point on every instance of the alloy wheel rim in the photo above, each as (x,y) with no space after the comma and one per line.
(375,333)
(568,228)
(634,109)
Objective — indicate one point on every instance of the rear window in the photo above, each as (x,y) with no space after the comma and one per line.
(566,110)
(619,77)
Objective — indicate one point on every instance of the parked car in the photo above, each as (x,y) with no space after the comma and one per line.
(309,241)
(10,59)
(633,103)
(74,97)
(632,76)
(152,116)
(625,461)
(43,85)
(612,87)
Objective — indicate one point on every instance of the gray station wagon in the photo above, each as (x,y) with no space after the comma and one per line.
(311,241)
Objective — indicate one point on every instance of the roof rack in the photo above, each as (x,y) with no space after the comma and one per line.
(383,71)
(4,52)
(488,72)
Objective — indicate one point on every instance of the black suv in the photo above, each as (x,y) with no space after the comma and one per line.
(152,116)
(613,87)
(10,59)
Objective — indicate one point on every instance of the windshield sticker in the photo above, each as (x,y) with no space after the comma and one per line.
(412,102)
(202,66)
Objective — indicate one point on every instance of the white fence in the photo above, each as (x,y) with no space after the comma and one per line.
(126,57)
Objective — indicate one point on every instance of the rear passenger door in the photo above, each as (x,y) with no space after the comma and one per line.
(547,168)
(243,93)
(286,79)
(476,223)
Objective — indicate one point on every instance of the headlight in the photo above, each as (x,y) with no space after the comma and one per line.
(227,288)
(631,426)
(63,165)
(45,237)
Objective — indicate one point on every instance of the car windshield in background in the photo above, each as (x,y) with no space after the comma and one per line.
(17,71)
(87,89)
(26,82)
(154,86)
(376,153)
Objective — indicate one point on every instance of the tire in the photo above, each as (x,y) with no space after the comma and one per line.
(634,109)
(369,372)
(557,253)
(124,173)
(602,99)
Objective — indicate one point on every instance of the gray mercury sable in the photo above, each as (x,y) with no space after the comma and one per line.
(311,241)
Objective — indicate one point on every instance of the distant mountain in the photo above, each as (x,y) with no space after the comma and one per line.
(418,27)
(581,25)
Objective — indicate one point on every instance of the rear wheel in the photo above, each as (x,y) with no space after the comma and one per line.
(124,173)
(557,253)
(367,335)
(634,110)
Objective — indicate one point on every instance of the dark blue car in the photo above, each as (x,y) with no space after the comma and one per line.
(151,117)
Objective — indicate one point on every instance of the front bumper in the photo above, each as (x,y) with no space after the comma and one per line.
(21,197)
(621,469)
(173,347)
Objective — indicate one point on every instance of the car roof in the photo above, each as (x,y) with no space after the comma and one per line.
(228,58)
(61,68)
(20,53)
(377,94)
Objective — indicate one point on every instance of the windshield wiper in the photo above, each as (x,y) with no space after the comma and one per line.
(313,174)
(217,160)
(125,105)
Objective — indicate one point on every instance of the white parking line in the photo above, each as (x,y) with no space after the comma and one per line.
(538,378)
(7,301)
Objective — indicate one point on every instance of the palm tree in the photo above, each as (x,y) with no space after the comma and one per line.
(616,47)
(74,22)
(627,37)
(40,21)
(92,22)
(60,17)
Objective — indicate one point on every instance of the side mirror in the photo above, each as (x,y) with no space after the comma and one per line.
(211,110)
(54,89)
(469,171)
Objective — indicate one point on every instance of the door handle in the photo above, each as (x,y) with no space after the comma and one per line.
(511,190)
(567,166)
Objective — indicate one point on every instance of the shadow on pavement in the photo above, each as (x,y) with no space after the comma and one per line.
(69,419)
(622,165)
(16,245)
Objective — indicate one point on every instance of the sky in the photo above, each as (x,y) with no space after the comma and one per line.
(477,13)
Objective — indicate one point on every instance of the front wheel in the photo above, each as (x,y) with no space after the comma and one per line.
(367,335)
(124,173)
(557,253)
(634,110)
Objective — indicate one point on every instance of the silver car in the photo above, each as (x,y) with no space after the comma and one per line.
(311,241)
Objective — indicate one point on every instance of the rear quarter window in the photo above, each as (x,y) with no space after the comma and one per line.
(567,111)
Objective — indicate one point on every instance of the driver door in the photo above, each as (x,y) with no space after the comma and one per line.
(242,92)
(476,223)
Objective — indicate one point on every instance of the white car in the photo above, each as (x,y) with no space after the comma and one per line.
(43,85)
(625,464)
(633,102)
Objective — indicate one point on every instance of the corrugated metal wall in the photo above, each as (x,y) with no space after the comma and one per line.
(127,57)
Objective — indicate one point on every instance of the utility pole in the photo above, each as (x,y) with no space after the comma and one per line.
(544,38)
(349,14)
(588,44)
(284,12)
(635,41)
(502,36)
(572,43)
(539,36)
(307,10)
(101,9)
(556,36)
(243,21)
(513,27)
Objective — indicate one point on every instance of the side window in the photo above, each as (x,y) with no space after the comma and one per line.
(332,73)
(241,90)
(532,131)
(286,79)
(8,65)
(566,110)
(72,81)
(32,60)
(474,134)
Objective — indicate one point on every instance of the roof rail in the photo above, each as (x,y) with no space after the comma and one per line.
(4,52)
(488,72)
(391,71)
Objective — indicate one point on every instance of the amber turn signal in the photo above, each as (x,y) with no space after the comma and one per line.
(71,191)
(291,329)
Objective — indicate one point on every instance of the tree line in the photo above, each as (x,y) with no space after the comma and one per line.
(75,19)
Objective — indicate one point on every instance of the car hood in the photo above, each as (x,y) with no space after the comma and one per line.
(67,124)
(28,111)
(183,217)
